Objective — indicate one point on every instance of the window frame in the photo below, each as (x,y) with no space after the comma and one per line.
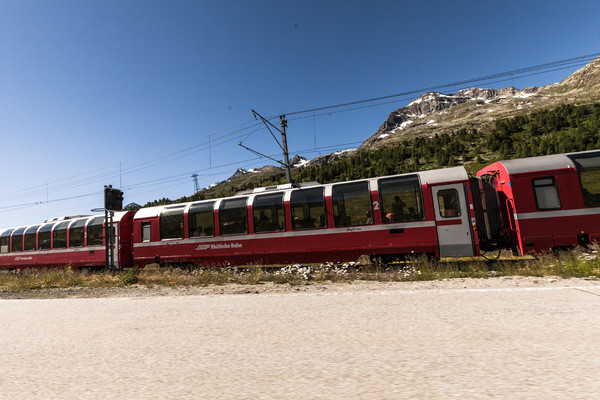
(226,210)
(457,200)
(338,201)
(78,224)
(276,211)
(307,206)
(60,228)
(587,163)
(29,232)
(45,230)
(5,237)
(168,218)
(384,185)
(207,208)
(94,223)
(553,184)
(143,225)
(19,232)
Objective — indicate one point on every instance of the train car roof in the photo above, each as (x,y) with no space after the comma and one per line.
(454,174)
(150,212)
(543,163)
(116,218)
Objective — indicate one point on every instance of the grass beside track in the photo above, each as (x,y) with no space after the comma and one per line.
(578,263)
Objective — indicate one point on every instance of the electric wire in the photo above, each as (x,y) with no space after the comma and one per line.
(170,179)
(86,179)
(246,129)
(238,129)
(570,62)
(403,99)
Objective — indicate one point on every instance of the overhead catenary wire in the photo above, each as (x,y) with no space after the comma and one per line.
(113,173)
(158,182)
(249,128)
(513,73)
(406,98)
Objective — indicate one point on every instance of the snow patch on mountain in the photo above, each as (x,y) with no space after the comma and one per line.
(419,111)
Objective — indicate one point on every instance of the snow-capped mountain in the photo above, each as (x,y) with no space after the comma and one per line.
(239,172)
(298,161)
(472,108)
(436,112)
(427,110)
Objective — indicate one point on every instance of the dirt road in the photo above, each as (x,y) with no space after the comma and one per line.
(519,339)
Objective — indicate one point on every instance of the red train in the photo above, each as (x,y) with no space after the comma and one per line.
(532,205)
(548,202)
(77,242)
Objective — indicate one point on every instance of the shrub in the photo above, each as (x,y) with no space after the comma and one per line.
(129,276)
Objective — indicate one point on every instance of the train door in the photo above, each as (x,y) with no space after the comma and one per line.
(452,220)
(113,254)
(116,245)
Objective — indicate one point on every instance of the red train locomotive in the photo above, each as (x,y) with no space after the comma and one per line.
(532,205)
(548,202)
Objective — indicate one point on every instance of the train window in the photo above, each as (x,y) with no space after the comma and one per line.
(59,235)
(94,232)
(546,194)
(267,212)
(5,241)
(588,166)
(76,233)
(30,237)
(308,209)
(171,223)
(201,221)
(448,203)
(352,204)
(17,240)
(44,237)
(401,199)
(146,231)
(590,185)
(233,217)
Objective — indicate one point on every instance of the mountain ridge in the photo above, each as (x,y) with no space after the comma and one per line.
(477,107)
(432,114)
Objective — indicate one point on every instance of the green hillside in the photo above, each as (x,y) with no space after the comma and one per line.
(565,128)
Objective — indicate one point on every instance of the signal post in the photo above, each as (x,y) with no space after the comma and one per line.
(113,201)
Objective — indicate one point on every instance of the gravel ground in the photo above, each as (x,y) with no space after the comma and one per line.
(502,338)
(313,287)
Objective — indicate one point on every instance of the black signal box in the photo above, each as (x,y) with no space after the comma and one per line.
(113,199)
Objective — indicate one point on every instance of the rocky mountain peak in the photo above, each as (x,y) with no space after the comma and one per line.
(239,172)
(436,112)
(326,158)
(585,78)
(419,111)
(298,161)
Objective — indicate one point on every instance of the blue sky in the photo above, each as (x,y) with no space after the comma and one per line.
(131,92)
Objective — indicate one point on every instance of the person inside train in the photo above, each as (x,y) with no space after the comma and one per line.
(263,221)
(397,208)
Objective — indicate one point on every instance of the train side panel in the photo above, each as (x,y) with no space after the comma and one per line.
(338,222)
(549,202)
(76,243)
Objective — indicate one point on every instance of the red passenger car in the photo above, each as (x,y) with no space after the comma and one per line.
(71,241)
(428,212)
(535,204)
(548,202)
